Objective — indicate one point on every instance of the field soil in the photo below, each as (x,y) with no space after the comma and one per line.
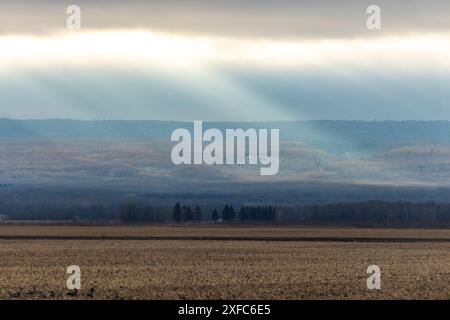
(122,267)
(216,231)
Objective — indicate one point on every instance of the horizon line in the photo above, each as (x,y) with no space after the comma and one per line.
(220,121)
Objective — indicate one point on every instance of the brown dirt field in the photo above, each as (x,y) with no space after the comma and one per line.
(199,269)
(217,231)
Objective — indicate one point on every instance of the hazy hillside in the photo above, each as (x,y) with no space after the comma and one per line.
(336,136)
(320,161)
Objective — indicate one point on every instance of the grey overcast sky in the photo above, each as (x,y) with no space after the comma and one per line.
(225,60)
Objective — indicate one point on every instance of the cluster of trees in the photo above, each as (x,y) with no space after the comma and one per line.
(136,213)
(56,212)
(257,213)
(368,213)
(228,213)
(186,214)
(375,213)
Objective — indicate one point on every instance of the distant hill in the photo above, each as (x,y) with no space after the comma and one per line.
(321,161)
(332,136)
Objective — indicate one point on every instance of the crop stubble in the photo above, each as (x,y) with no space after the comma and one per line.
(198,269)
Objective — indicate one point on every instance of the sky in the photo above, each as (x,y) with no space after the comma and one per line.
(225,60)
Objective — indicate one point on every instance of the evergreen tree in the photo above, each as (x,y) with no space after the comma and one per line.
(198,213)
(177,213)
(189,215)
(215,215)
(242,214)
(225,213)
(231,214)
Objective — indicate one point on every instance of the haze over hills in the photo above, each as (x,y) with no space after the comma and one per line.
(321,161)
(437,131)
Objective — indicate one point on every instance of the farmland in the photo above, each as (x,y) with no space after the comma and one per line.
(124,266)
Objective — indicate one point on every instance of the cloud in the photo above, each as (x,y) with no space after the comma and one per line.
(156,50)
(225,60)
(231,18)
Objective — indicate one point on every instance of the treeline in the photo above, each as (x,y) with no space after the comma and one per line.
(57,212)
(368,213)
(141,213)
(228,214)
(257,214)
(186,213)
(136,213)
(374,213)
